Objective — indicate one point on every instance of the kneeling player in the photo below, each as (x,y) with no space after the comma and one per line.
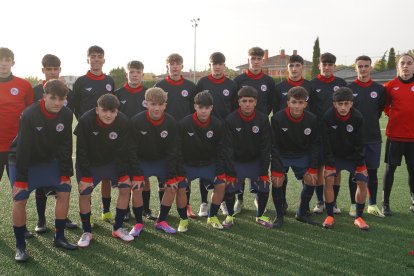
(201,155)
(153,150)
(295,145)
(41,156)
(344,150)
(102,154)
(248,142)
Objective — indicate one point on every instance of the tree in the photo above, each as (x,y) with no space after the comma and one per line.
(33,80)
(381,64)
(391,59)
(119,76)
(315,58)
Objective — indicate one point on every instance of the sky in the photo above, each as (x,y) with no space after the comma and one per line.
(149,30)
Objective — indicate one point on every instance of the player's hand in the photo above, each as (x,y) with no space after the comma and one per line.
(84,185)
(137,185)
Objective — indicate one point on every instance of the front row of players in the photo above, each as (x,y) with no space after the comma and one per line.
(152,143)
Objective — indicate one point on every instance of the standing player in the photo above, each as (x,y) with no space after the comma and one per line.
(369,99)
(223,91)
(344,150)
(400,130)
(248,145)
(41,156)
(320,100)
(153,152)
(15,95)
(181,93)
(86,91)
(102,154)
(132,99)
(264,85)
(51,69)
(202,155)
(295,145)
(295,78)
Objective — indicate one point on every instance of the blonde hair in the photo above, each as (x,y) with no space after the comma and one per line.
(156,95)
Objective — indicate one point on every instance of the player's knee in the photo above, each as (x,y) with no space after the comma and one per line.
(359,177)
(124,191)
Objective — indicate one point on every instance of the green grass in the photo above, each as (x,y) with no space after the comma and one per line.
(296,249)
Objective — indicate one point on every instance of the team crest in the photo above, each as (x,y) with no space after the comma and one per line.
(307,131)
(263,87)
(65,102)
(226,92)
(14,91)
(60,127)
(349,128)
(164,134)
(336,88)
(373,94)
(108,87)
(184,93)
(144,103)
(113,135)
(209,134)
(255,129)
(412,88)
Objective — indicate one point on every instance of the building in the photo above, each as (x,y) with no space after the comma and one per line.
(349,75)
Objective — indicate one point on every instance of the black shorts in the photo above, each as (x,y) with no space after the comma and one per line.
(395,150)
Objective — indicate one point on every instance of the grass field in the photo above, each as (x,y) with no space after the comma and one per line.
(247,249)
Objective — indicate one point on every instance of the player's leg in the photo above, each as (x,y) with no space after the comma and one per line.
(19,227)
(329,197)
(124,191)
(352,191)
(261,188)
(146,196)
(392,158)
(203,211)
(216,200)
(336,188)
(182,205)
(106,200)
(308,178)
(169,194)
(360,198)
(61,213)
(137,208)
(85,216)
(41,199)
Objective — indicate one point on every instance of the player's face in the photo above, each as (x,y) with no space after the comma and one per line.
(343,107)
(405,67)
(105,115)
(96,61)
(174,69)
(5,66)
(217,70)
(296,107)
(53,103)
(51,73)
(135,77)
(203,112)
(327,69)
(255,64)
(363,69)
(295,70)
(247,105)
(156,110)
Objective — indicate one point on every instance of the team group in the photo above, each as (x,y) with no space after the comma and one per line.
(217,131)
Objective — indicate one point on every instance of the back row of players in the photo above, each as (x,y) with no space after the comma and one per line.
(222,150)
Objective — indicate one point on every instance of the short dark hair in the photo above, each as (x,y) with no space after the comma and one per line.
(50,61)
(327,58)
(343,94)
(95,49)
(109,102)
(217,58)
(256,51)
(247,91)
(298,93)
(296,58)
(6,53)
(365,58)
(135,64)
(56,87)
(203,99)
(174,58)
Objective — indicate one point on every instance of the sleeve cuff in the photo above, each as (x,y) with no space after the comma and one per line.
(222,177)
(138,178)
(264,178)
(277,174)
(312,171)
(64,178)
(330,168)
(21,184)
(171,181)
(86,179)
(123,178)
(361,168)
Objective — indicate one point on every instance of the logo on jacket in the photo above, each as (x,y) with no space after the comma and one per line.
(307,131)
(113,135)
(108,87)
(238,129)
(14,91)
(349,128)
(184,93)
(209,134)
(284,129)
(190,133)
(144,103)
(164,134)
(60,127)
(255,129)
(143,132)
(226,92)
(412,88)
(336,87)
(263,87)
(373,94)
(95,133)
(123,102)
(39,128)
(88,89)
(334,127)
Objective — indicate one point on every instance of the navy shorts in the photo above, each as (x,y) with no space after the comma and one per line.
(299,165)
(99,173)
(205,173)
(373,155)
(395,150)
(350,166)
(156,168)
(42,175)
(251,171)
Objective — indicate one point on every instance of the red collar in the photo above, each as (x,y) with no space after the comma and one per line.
(293,119)
(295,83)
(173,82)
(246,118)
(95,77)
(253,76)
(102,124)
(363,84)
(199,123)
(46,113)
(325,80)
(155,122)
(342,118)
(132,89)
(216,81)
